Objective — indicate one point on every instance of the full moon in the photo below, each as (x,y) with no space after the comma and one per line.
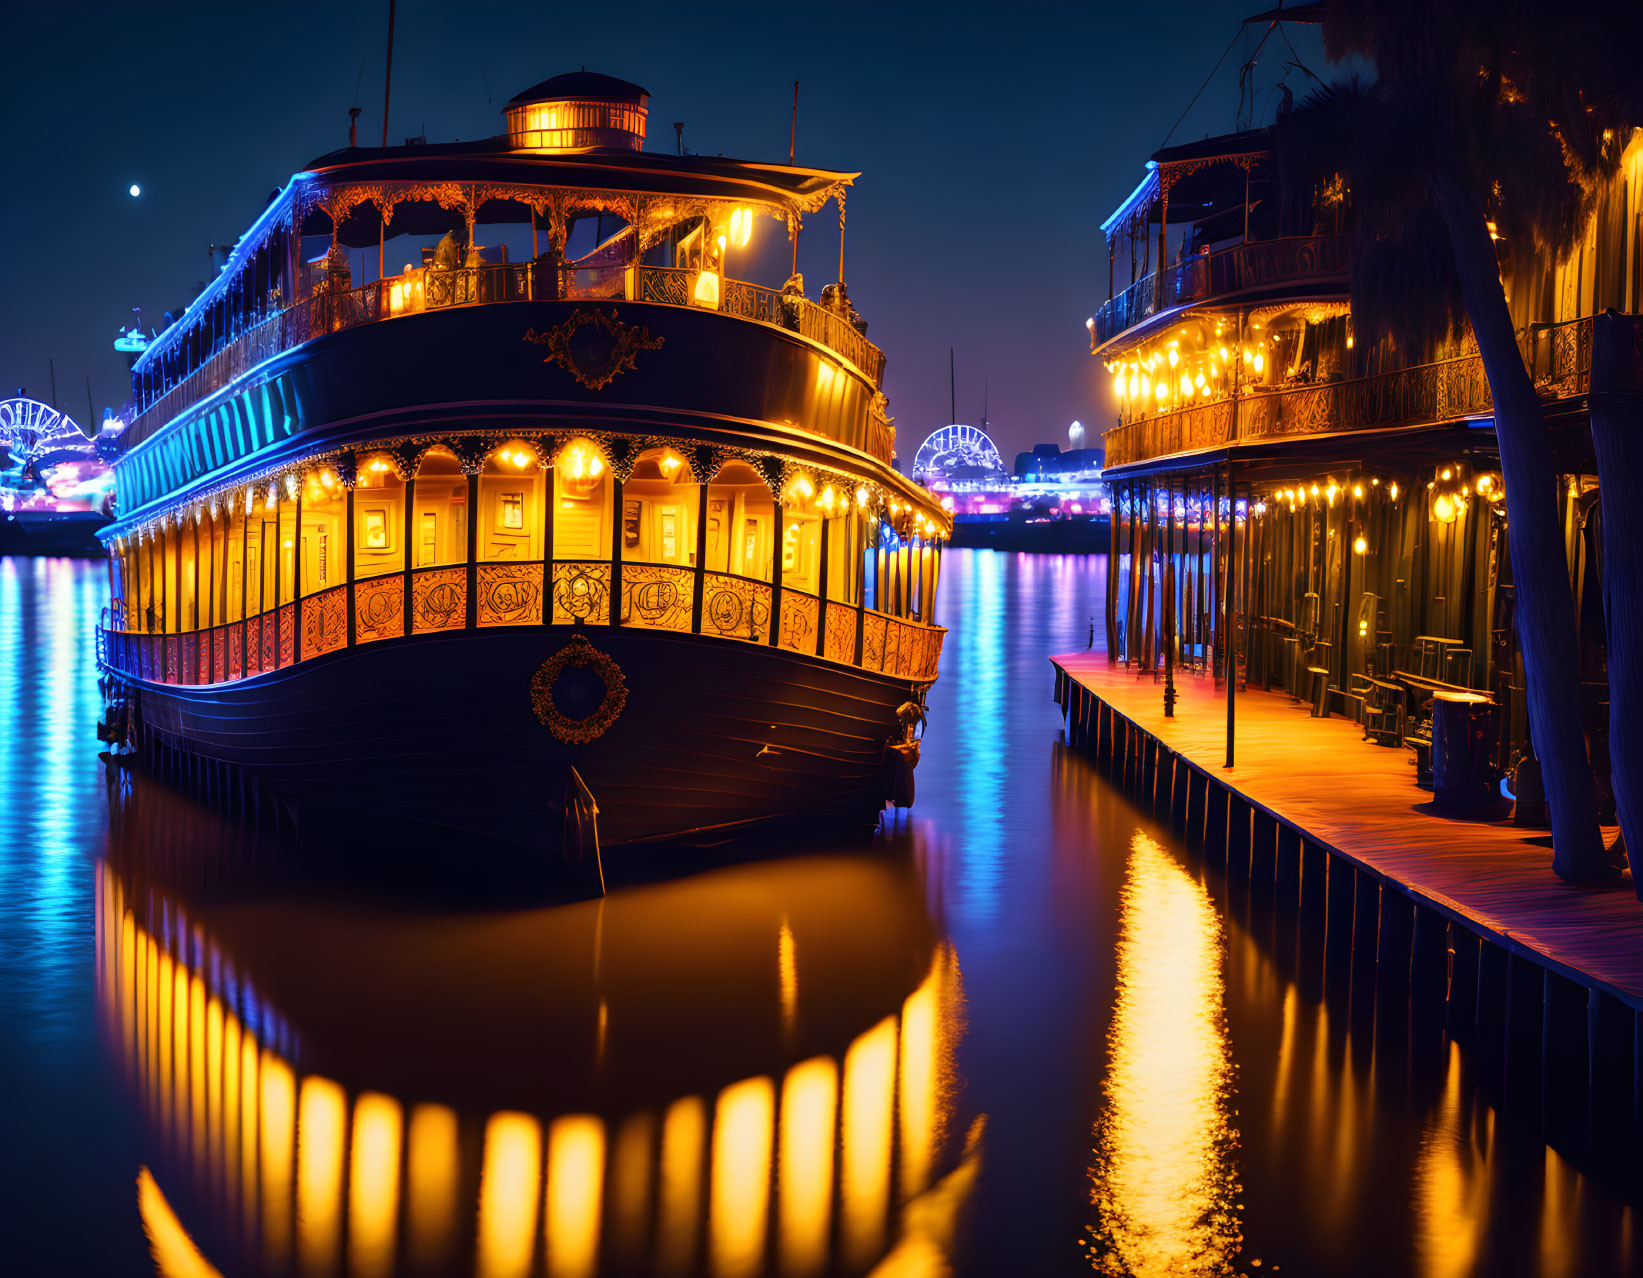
(135,190)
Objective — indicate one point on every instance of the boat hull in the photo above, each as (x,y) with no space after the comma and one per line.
(440,730)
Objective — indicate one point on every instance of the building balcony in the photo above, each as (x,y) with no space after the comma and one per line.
(1302,264)
(1558,357)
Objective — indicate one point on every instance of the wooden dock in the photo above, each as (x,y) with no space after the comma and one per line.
(1335,827)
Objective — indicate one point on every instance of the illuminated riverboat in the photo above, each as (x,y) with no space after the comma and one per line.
(559,516)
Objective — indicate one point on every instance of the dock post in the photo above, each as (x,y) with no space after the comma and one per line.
(1525,1013)
(1394,950)
(1342,895)
(1286,865)
(1565,1071)
(1239,820)
(1215,822)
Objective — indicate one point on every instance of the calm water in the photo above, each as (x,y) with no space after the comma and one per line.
(1022,1033)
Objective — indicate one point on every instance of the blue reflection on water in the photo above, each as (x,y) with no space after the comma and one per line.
(50,785)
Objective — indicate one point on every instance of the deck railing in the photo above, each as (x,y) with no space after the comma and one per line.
(1297,259)
(332,310)
(653,597)
(1558,357)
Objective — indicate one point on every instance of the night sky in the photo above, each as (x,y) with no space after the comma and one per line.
(992,141)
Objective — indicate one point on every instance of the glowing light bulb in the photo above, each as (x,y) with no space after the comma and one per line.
(1186,384)
(1357,491)
(1484,483)
(1174,357)
(1359,546)
(1447,473)
(1444,509)
(861,496)
(1260,361)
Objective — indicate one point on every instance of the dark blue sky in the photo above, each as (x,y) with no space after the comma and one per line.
(992,141)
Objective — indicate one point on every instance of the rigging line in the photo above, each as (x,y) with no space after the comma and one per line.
(1201,87)
(1298,60)
(359,81)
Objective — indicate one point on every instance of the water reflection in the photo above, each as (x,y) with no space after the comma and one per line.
(1166,1187)
(290,1134)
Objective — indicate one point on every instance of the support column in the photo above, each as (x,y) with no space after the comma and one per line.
(697,600)
(821,590)
(296,584)
(550,475)
(348,563)
(473,546)
(616,550)
(1232,613)
(776,574)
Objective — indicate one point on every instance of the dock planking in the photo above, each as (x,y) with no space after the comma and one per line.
(1360,803)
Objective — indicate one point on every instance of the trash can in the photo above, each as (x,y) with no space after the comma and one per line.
(1463,747)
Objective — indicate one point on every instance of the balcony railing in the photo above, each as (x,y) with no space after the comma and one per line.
(433,600)
(1558,356)
(329,311)
(1243,269)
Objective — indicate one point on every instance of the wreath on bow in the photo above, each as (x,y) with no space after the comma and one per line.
(578,653)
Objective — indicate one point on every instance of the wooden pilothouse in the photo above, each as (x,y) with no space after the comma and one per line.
(476,490)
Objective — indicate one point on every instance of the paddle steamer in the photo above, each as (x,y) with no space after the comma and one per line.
(554,515)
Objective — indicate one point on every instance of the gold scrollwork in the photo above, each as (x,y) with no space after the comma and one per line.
(510,595)
(598,357)
(578,653)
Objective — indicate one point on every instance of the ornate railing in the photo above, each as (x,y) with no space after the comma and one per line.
(1558,356)
(1243,269)
(331,310)
(654,597)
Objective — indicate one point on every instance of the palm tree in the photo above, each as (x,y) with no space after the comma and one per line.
(1483,119)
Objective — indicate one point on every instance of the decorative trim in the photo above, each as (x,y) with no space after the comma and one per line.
(579,653)
(614,346)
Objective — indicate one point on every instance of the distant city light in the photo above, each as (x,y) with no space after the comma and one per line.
(135,190)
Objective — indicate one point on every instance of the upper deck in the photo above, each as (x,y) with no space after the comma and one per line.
(1242,239)
(564,208)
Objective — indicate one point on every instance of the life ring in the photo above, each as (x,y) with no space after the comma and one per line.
(576,654)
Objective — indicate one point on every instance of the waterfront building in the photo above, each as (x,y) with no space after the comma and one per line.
(603,528)
(1314,506)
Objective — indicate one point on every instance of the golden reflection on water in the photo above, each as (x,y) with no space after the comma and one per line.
(1165,1183)
(174,1252)
(1453,1178)
(800,1173)
(373,1186)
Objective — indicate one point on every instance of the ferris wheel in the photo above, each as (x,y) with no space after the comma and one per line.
(956,447)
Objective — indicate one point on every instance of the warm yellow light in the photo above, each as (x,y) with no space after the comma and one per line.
(1135,385)
(1090,323)
(507,1195)
(1224,355)
(1360,545)
(1174,357)
(1357,490)
(379,466)
(828,498)
(1444,509)
(805,1164)
(1392,491)
(1447,473)
(706,292)
(1260,361)
(861,496)
(1186,384)
(1484,483)
(1314,490)
(670,463)
(576,1170)
(739,1177)
(1349,341)
(1162,390)
(1118,383)
(1200,381)
(327,479)
(1332,490)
